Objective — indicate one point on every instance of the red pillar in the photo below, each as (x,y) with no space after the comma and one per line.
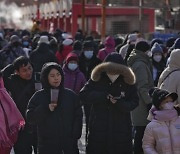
(45,24)
(55,23)
(61,23)
(42,23)
(68,24)
(76,8)
(151,21)
(93,22)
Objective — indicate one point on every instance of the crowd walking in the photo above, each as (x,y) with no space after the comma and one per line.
(120,95)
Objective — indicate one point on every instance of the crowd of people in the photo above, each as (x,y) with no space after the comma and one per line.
(127,89)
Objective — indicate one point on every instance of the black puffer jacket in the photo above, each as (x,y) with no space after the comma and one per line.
(21,91)
(41,55)
(110,123)
(57,130)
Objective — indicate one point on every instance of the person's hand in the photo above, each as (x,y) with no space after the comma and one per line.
(52,106)
(111,98)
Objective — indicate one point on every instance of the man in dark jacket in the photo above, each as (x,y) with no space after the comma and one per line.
(112,94)
(140,62)
(88,59)
(87,62)
(42,54)
(10,52)
(21,86)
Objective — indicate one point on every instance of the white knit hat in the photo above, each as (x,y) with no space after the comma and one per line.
(67,42)
(43,39)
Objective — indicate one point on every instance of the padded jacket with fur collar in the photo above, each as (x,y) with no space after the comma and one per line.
(110,123)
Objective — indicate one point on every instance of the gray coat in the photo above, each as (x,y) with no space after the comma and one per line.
(169,78)
(142,67)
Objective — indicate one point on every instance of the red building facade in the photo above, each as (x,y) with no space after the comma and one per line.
(119,20)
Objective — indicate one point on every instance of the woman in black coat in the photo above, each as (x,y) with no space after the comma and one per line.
(59,122)
(112,93)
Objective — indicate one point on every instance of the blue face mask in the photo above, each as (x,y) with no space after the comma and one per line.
(88,54)
(72,66)
(25,43)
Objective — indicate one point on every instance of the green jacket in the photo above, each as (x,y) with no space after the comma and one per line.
(142,67)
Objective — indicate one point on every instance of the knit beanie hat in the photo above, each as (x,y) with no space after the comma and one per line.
(88,44)
(156,48)
(142,46)
(71,56)
(156,40)
(115,58)
(158,95)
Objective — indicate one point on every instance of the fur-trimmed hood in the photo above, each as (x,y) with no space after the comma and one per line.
(114,68)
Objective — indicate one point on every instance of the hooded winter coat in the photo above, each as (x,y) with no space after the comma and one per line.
(110,124)
(73,80)
(58,130)
(142,67)
(109,47)
(169,78)
(61,55)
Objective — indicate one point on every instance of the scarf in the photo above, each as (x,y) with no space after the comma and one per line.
(165,115)
(162,115)
(11,120)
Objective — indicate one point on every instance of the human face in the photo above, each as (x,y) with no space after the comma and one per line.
(25,72)
(165,101)
(54,78)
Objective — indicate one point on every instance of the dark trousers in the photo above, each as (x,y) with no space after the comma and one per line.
(62,147)
(87,110)
(26,142)
(97,148)
(103,148)
(139,133)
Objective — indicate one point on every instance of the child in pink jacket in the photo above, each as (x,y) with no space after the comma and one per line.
(162,134)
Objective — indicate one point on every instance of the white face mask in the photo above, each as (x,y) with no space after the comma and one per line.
(157,58)
(113,77)
(168,106)
(88,54)
(72,66)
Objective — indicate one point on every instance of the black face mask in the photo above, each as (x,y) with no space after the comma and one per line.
(16,44)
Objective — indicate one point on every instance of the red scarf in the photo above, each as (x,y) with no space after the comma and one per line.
(11,120)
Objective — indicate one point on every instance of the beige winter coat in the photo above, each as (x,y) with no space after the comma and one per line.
(171,82)
(162,137)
